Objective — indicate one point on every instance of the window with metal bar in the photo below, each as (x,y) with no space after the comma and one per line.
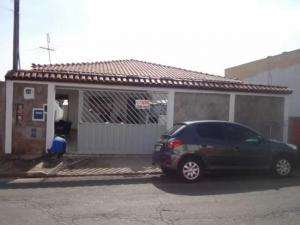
(124,107)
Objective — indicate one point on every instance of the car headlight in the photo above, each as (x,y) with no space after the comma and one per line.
(294,147)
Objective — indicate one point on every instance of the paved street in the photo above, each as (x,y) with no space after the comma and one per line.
(231,199)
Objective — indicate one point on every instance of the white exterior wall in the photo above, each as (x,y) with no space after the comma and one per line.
(289,77)
(50,115)
(9,91)
(73,108)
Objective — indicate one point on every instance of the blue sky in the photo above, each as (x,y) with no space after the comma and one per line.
(205,36)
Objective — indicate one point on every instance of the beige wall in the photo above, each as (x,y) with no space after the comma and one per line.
(199,106)
(264,114)
(22,140)
(280,70)
(281,61)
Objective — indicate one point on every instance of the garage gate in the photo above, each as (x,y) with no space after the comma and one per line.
(120,122)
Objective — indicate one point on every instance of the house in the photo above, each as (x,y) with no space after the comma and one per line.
(283,69)
(122,106)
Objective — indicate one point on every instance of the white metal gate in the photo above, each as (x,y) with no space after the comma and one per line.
(120,122)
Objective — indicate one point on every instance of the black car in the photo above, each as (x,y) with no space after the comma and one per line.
(190,148)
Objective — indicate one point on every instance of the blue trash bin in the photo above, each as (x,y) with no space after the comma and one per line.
(59,146)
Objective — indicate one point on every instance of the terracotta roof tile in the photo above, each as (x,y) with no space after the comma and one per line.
(138,73)
(130,68)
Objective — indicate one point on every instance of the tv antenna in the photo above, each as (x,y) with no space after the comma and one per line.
(48,48)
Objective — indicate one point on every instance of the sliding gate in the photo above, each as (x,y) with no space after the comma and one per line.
(120,122)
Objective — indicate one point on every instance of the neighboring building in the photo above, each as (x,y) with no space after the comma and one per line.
(283,70)
(122,107)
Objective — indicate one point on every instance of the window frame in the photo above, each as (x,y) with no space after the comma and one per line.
(245,129)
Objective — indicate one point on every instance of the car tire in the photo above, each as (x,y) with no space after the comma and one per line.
(190,170)
(282,167)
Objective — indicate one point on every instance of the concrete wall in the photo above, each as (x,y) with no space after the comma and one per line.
(264,114)
(198,106)
(281,70)
(277,62)
(284,77)
(288,76)
(28,136)
(2,116)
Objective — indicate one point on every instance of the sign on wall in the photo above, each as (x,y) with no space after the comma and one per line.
(38,114)
(142,104)
(29,93)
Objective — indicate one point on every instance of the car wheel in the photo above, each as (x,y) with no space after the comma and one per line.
(190,170)
(282,167)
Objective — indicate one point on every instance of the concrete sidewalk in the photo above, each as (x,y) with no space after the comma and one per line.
(83,165)
(80,166)
(106,165)
(17,167)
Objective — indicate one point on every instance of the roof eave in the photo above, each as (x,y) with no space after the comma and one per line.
(137,81)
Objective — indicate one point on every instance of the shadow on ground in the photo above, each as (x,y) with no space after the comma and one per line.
(216,184)
(213,184)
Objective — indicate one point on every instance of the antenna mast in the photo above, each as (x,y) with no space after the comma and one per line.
(48,48)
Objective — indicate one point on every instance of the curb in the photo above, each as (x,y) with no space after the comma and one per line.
(109,174)
(23,175)
(50,175)
(55,173)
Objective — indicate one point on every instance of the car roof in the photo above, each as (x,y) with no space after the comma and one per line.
(217,122)
(212,121)
(205,121)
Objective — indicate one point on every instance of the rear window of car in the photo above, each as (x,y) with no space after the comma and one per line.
(211,131)
(175,129)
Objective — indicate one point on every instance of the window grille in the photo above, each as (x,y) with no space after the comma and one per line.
(123,107)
